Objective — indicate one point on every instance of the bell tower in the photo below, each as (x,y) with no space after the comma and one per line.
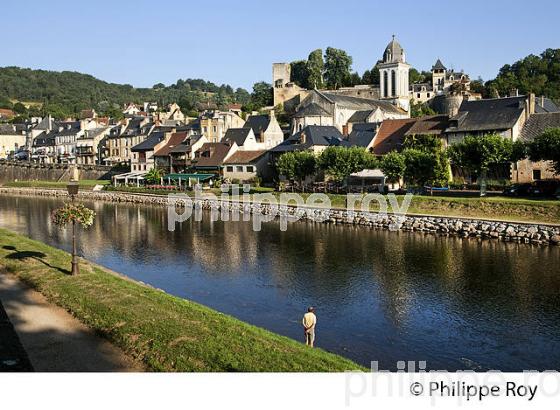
(393,75)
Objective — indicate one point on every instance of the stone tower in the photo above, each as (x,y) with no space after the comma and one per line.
(394,75)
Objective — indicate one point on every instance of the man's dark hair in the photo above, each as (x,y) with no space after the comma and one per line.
(311,309)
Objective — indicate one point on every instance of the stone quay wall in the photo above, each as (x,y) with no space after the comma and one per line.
(25,171)
(530,233)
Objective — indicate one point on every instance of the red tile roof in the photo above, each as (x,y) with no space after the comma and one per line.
(244,157)
(391,135)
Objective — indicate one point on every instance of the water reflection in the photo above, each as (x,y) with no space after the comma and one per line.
(380,296)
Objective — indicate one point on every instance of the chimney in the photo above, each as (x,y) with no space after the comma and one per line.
(542,101)
(531,102)
(303,138)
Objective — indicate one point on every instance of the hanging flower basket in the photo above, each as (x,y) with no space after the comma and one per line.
(73,213)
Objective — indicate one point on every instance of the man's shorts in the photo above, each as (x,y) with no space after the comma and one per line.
(310,336)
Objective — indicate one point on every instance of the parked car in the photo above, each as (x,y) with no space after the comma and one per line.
(517,190)
(544,187)
(21,156)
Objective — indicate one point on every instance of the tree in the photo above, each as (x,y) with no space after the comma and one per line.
(315,67)
(478,154)
(546,147)
(262,95)
(393,166)
(372,77)
(297,165)
(300,73)
(426,161)
(340,162)
(536,74)
(420,109)
(154,176)
(337,68)
(19,108)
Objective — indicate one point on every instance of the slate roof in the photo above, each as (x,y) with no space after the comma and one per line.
(320,135)
(91,134)
(429,125)
(391,134)
(487,115)
(45,139)
(361,138)
(438,65)
(544,104)
(175,139)
(259,123)
(7,129)
(361,104)
(149,143)
(185,146)
(393,52)
(211,155)
(360,116)
(245,157)
(237,135)
(312,110)
(538,123)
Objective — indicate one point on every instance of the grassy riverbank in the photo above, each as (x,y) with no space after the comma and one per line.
(165,332)
(495,207)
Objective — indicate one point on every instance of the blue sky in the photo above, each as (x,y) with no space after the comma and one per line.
(235,42)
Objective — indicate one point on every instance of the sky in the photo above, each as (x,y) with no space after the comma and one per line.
(235,42)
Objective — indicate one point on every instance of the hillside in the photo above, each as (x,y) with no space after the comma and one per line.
(67,93)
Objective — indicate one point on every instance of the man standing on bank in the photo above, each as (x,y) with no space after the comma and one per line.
(309,321)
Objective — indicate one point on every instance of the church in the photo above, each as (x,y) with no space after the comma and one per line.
(312,107)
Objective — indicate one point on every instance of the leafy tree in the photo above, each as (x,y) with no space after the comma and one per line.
(315,68)
(426,161)
(5,103)
(420,109)
(154,176)
(300,73)
(340,162)
(160,86)
(546,147)
(536,74)
(393,166)
(337,67)
(297,165)
(372,77)
(262,95)
(355,79)
(19,108)
(479,154)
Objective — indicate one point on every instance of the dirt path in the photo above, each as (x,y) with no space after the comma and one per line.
(53,339)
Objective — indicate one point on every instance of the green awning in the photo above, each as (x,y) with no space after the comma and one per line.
(186,177)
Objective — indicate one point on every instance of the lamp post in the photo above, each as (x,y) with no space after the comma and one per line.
(73,187)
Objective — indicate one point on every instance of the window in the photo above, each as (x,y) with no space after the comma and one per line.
(229,168)
(428,95)
(250,168)
(393,83)
(418,95)
(536,174)
(215,129)
(385,84)
(205,129)
(239,168)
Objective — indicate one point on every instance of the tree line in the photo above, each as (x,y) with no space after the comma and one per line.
(422,160)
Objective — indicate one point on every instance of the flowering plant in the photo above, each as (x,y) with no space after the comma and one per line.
(73,213)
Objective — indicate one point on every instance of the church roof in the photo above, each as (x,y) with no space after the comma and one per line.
(394,53)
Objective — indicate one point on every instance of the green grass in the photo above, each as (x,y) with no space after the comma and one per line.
(165,332)
(86,184)
(497,207)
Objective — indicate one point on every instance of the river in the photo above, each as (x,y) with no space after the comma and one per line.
(380,296)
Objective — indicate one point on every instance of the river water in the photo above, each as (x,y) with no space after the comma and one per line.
(380,296)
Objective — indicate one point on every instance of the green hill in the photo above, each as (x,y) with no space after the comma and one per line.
(67,93)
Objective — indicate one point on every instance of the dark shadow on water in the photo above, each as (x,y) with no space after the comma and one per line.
(37,256)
